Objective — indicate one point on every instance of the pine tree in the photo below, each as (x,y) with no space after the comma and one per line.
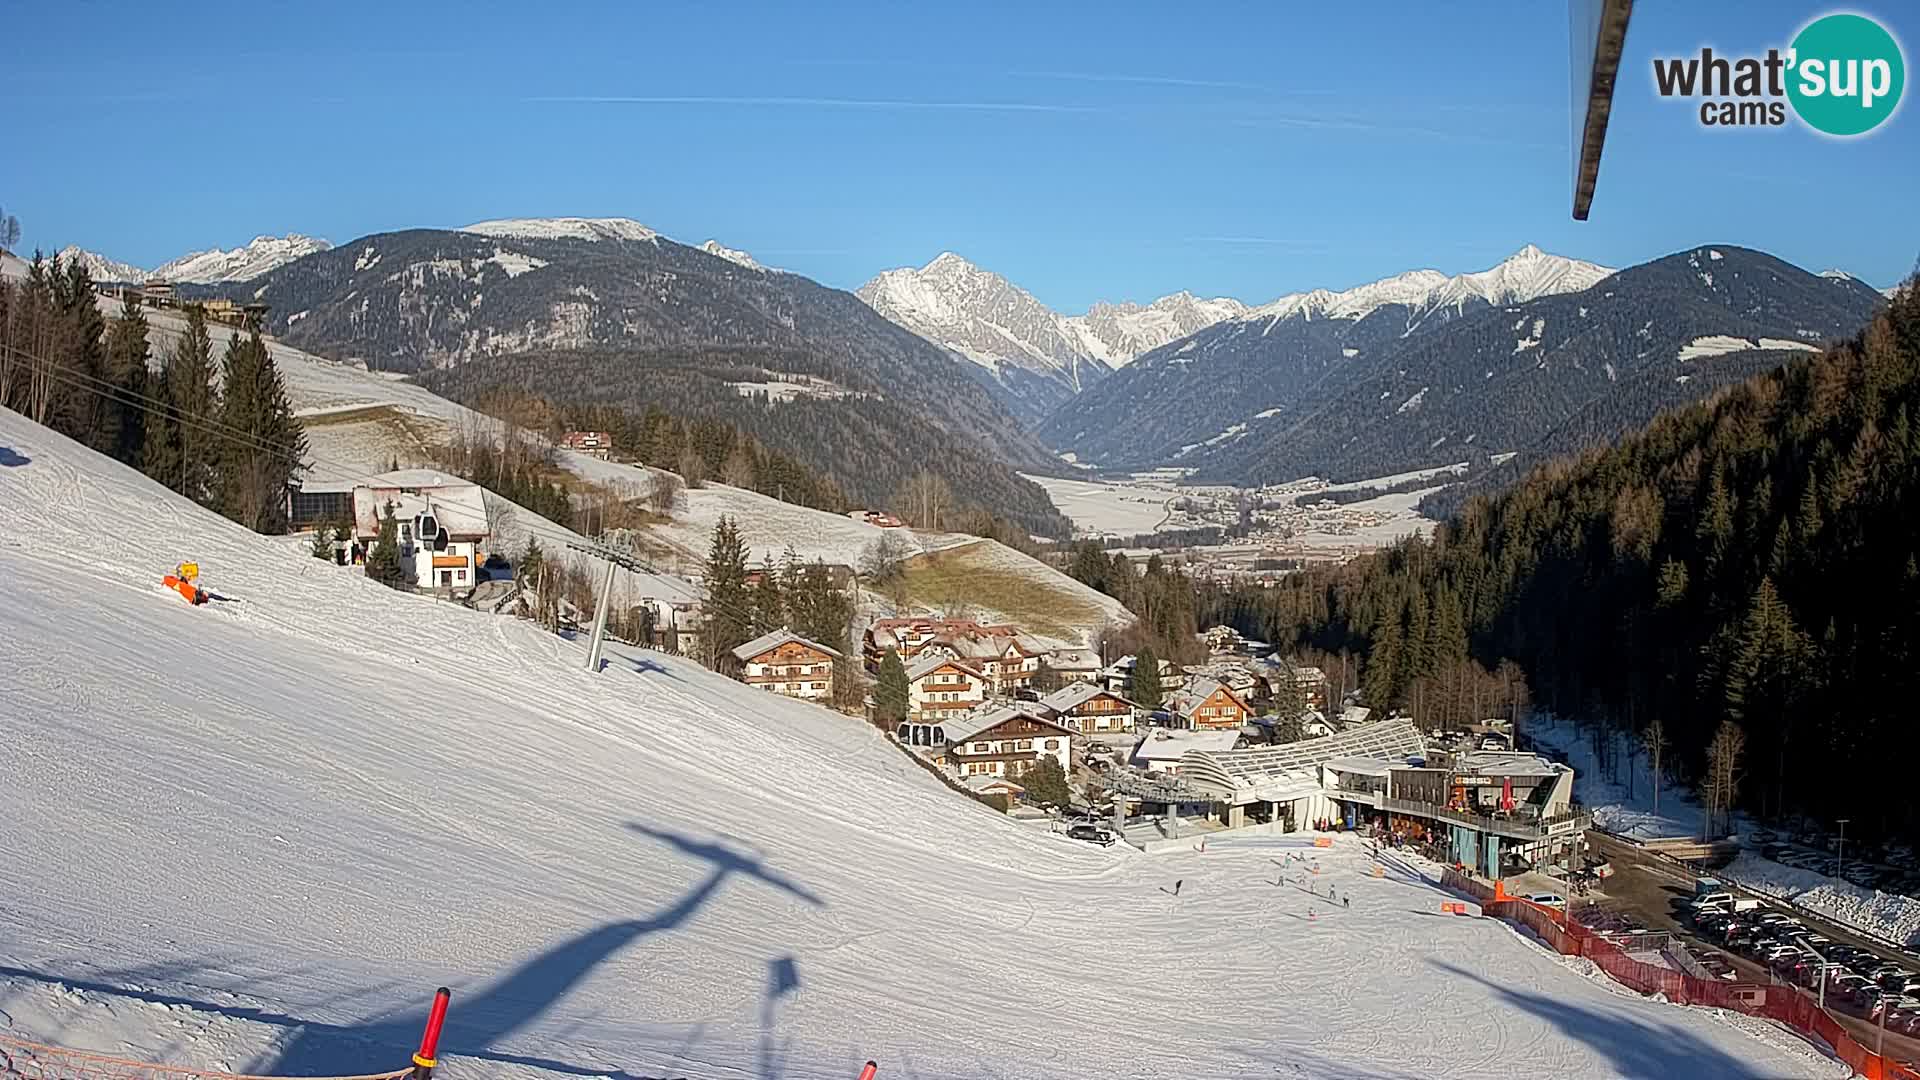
(729,605)
(1046,782)
(383,562)
(322,546)
(266,445)
(1146,680)
(194,408)
(890,692)
(769,610)
(128,354)
(84,408)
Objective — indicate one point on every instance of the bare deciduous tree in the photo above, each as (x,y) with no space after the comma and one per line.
(1721,785)
(1655,743)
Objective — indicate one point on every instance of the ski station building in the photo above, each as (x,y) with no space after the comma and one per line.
(1498,813)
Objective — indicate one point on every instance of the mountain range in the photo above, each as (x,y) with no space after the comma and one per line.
(1031,356)
(1539,355)
(244,263)
(609,311)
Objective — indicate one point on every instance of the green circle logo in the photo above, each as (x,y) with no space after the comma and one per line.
(1847,74)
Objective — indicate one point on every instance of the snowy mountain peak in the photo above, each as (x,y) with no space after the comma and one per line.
(258,256)
(1525,275)
(565,228)
(732,255)
(101,268)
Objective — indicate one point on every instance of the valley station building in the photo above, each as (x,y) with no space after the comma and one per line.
(1498,813)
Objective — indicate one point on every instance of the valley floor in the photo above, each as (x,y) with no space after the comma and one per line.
(255,835)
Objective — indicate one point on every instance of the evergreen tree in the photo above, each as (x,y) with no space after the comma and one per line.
(729,605)
(1146,680)
(383,562)
(88,411)
(1046,782)
(128,354)
(890,692)
(266,445)
(769,610)
(194,409)
(322,546)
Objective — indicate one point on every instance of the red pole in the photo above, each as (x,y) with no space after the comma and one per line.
(423,1059)
(870,1071)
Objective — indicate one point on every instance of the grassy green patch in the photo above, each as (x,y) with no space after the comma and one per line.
(946,580)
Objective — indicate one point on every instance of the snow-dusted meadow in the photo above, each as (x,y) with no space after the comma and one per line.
(256,834)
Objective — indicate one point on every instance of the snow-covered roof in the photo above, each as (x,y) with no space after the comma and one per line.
(961,728)
(1360,766)
(1074,660)
(1069,697)
(926,665)
(774,640)
(421,479)
(461,510)
(1164,745)
(1502,763)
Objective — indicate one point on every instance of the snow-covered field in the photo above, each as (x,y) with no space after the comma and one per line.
(293,813)
(1098,507)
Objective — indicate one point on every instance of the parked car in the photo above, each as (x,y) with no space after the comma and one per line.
(1547,899)
(1093,834)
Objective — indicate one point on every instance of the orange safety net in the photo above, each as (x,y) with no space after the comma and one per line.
(1785,1003)
(36,1061)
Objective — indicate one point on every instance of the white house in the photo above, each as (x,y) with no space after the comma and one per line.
(1006,741)
(442,525)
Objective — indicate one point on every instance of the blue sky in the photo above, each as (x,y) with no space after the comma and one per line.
(1086,151)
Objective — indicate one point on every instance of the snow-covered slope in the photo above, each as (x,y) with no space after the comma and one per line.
(256,257)
(564,228)
(311,803)
(100,267)
(12,266)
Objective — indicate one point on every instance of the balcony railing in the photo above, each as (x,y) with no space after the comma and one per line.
(1524,823)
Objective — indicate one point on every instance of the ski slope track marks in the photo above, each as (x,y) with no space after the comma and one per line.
(257,834)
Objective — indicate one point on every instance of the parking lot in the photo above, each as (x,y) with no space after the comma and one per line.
(1650,893)
(1888,867)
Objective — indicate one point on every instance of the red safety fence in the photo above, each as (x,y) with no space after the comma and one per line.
(1785,1003)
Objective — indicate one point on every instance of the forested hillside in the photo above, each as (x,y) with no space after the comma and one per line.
(1749,561)
(866,445)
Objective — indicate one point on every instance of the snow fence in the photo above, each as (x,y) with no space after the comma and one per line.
(1781,1002)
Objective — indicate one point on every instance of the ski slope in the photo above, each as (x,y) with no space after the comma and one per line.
(256,834)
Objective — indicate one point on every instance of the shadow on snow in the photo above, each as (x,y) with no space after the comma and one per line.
(480,1020)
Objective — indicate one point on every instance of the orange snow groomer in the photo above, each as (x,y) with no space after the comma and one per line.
(185,581)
